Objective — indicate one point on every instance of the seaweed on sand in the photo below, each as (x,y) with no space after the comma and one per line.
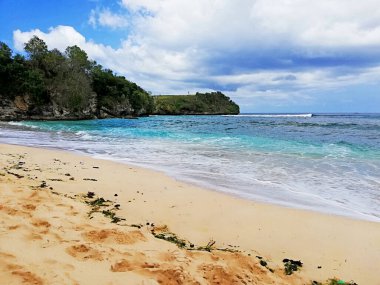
(291,265)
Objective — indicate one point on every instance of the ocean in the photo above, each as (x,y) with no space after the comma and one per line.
(328,163)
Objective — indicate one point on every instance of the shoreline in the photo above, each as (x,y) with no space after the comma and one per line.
(280,172)
(343,247)
(208,187)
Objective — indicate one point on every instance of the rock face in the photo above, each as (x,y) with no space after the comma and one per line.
(23,108)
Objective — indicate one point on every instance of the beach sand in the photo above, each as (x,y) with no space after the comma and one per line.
(51,233)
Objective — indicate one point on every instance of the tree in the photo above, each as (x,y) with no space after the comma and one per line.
(72,91)
(5,61)
(5,54)
(78,58)
(67,82)
(36,49)
(53,63)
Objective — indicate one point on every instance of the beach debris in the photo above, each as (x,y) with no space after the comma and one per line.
(339,282)
(43,184)
(112,215)
(55,179)
(15,174)
(162,232)
(170,237)
(263,263)
(115,195)
(139,226)
(96,167)
(67,174)
(291,265)
(209,245)
(90,179)
(97,203)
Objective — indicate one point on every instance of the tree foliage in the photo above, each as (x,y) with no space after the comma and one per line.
(69,81)
(36,49)
(200,103)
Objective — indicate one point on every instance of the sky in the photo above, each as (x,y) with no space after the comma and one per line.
(267,55)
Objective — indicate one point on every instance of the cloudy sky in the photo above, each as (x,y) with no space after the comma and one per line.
(267,55)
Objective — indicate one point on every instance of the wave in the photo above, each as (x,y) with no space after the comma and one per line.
(272,115)
(84,135)
(21,124)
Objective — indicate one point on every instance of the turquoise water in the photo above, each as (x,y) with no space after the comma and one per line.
(328,163)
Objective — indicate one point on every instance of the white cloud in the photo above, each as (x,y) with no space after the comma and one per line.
(59,37)
(243,23)
(135,5)
(106,18)
(92,20)
(252,46)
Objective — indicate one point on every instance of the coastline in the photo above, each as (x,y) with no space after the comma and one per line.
(343,247)
(338,176)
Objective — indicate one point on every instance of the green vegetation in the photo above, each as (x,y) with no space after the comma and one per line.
(49,84)
(67,84)
(99,205)
(334,282)
(291,265)
(171,237)
(200,103)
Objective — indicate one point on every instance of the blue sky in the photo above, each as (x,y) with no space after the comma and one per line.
(267,55)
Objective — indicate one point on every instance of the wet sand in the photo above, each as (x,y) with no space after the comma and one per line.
(53,231)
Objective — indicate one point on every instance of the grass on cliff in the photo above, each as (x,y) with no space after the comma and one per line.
(200,103)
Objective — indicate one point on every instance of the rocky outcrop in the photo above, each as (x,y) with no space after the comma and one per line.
(22,108)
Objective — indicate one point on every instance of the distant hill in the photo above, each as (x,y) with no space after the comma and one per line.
(214,103)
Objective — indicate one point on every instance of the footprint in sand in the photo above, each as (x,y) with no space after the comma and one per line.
(84,252)
(114,236)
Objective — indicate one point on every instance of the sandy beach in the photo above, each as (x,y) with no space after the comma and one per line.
(71,219)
